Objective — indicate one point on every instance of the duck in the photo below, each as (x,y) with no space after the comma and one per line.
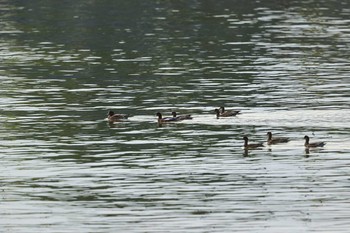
(222,113)
(251,145)
(229,112)
(274,140)
(111,116)
(166,119)
(182,117)
(307,144)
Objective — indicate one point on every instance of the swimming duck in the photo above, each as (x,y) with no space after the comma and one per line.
(228,112)
(182,117)
(314,144)
(252,145)
(275,140)
(166,119)
(222,113)
(115,117)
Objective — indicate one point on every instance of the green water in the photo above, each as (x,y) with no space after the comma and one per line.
(64,168)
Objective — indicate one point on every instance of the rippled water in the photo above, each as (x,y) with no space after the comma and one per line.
(64,168)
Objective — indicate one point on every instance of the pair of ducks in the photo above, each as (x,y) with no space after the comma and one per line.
(175,117)
(275,140)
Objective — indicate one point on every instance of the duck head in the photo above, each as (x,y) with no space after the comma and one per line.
(269,135)
(159,115)
(217,111)
(110,113)
(245,138)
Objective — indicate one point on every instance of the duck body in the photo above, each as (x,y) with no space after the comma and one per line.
(182,117)
(307,143)
(111,116)
(275,140)
(222,113)
(251,145)
(166,119)
(228,113)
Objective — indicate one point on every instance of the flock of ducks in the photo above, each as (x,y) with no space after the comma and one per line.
(220,112)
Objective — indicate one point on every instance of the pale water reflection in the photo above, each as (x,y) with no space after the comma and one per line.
(64,168)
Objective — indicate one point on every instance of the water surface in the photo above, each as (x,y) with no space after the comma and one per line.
(64,168)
